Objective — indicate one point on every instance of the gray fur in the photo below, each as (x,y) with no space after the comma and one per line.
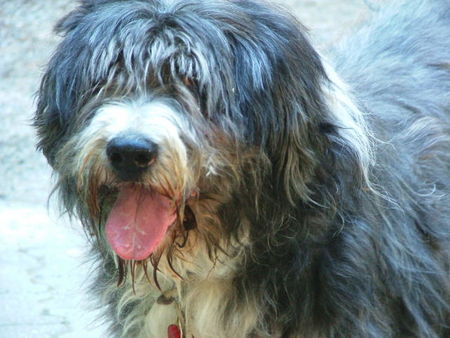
(339,246)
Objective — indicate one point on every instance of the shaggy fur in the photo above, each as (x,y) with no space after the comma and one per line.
(312,196)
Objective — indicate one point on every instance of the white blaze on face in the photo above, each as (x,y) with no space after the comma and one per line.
(157,121)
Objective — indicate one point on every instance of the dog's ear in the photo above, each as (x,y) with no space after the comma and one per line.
(69,79)
(279,80)
(322,136)
(297,109)
(55,98)
(47,118)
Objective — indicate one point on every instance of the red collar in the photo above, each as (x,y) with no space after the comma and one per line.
(173,331)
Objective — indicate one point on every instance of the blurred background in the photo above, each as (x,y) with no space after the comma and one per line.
(43,269)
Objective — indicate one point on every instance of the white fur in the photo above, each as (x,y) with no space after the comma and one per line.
(349,118)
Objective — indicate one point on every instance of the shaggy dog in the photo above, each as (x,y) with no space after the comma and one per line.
(234,183)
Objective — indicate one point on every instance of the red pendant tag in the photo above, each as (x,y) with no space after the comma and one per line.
(173,331)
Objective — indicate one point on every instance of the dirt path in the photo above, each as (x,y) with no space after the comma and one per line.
(42,278)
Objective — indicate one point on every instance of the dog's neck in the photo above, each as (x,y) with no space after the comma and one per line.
(170,298)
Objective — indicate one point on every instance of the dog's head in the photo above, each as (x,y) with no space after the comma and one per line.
(155,114)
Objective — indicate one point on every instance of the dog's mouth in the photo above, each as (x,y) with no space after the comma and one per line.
(139,221)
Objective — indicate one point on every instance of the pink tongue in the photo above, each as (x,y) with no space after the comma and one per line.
(138,222)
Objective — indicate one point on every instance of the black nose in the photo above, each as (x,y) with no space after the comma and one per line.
(130,156)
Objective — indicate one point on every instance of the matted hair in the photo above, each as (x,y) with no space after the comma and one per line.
(314,202)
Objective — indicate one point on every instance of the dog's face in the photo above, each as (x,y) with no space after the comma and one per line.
(157,114)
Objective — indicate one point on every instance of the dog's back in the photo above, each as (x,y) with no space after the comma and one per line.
(401,60)
(398,67)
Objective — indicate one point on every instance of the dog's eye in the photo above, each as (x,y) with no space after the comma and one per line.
(188,82)
(194,87)
(192,84)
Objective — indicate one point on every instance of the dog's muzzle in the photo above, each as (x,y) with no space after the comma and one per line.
(142,153)
(131,155)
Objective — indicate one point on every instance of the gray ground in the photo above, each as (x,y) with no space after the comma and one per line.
(42,275)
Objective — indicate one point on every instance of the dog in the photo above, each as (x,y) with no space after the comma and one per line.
(234,182)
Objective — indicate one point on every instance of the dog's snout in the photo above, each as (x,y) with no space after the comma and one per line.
(130,156)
